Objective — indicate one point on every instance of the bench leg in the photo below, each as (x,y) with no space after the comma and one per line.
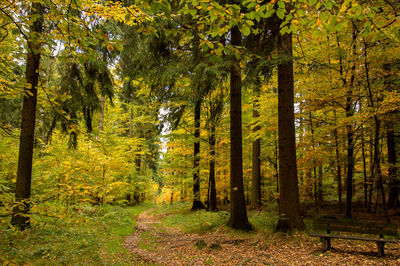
(381,248)
(326,243)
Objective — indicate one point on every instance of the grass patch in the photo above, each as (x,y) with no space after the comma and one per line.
(263,221)
(196,222)
(97,241)
(179,215)
(171,209)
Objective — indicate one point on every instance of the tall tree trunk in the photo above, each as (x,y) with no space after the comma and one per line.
(182,188)
(238,213)
(88,120)
(274,162)
(314,165)
(364,167)
(376,163)
(289,206)
(372,176)
(315,179)
(256,162)
(350,157)
(21,211)
(301,173)
(197,204)
(394,182)
(350,131)
(377,167)
(43,131)
(338,171)
(320,184)
(212,196)
(101,115)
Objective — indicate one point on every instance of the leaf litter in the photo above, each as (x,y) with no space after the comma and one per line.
(155,244)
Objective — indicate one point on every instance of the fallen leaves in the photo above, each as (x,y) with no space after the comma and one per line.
(173,247)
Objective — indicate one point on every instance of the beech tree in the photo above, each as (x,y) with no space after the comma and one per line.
(21,211)
(238,214)
(289,207)
(345,61)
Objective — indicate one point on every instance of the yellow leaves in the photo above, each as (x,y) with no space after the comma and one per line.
(345,5)
(208,43)
(110,47)
(130,15)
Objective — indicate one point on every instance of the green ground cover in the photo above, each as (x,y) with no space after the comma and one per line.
(69,241)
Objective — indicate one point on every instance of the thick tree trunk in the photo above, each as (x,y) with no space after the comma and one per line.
(256,162)
(197,204)
(212,196)
(238,213)
(289,206)
(394,182)
(21,211)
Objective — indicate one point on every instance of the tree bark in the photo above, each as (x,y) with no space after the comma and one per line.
(364,167)
(350,158)
(371,174)
(350,131)
(394,182)
(289,206)
(197,204)
(338,171)
(314,180)
(256,162)
(377,167)
(21,211)
(212,196)
(238,213)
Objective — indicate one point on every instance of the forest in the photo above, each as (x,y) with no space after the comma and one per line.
(161,132)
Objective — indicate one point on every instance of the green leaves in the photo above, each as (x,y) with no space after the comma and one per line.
(269,13)
(312,2)
(280,13)
(246,30)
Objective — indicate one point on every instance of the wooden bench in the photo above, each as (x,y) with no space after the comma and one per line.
(351,226)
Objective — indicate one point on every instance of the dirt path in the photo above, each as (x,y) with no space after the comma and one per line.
(154,243)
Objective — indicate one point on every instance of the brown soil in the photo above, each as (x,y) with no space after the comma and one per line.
(153,243)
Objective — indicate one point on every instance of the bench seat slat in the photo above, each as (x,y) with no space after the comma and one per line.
(355,229)
(347,222)
(355,238)
(361,227)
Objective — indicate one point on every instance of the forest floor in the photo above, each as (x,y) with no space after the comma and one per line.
(154,243)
